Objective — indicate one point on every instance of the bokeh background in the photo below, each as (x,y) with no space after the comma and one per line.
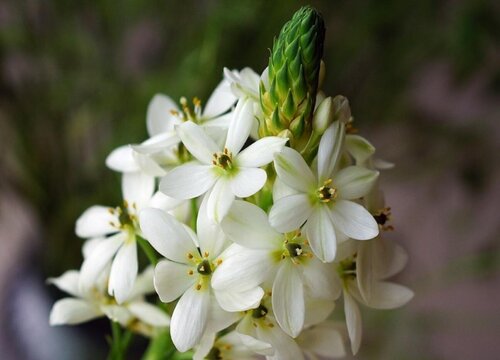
(423,79)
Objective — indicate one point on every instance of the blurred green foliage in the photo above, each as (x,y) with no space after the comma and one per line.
(77,77)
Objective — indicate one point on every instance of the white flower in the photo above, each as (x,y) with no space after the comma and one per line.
(224,172)
(244,83)
(186,273)
(262,253)
(323,202)
(363,275)
(95,303)
(228,346)
(157,154)
(121,224)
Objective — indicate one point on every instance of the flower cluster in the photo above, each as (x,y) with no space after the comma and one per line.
(265,208)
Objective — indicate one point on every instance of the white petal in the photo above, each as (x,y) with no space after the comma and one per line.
(67,282)
(329,149)
(143,284)
(205,345)
(164,202)
(72,311)
(321,280)
(248,181)
(210,235)
(137,188)
(219,200)
(354,182)
(157,143)
(89,246)
(387,295)
(218,318)
(354,220)
(261,152)
(390,258)
(123,272)
(189,319)
(117,313)
(284,346)
(321,234)
(122,160)
(280,190)
(220,101)
(353,321)
(233,301)
(243,270)
(166,235)
(196,140)
(324,340)
(188,181)
(290,212)
(171,279)
(360,149)
(240,126)
(247,224)
(248,336)
(293,170)
(94,265)
(364,269)
(317,311)
(288,299)
(149,314)
(159,118)
(96,221)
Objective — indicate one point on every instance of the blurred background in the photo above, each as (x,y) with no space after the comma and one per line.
(423,79)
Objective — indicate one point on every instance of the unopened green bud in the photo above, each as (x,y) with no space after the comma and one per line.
(294,74)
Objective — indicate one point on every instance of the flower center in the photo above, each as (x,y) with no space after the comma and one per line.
(214,354)
(326,193)
(204,268)
(126,218)
(294,249)
(347,268)
(224,159)
(382,217)
(259,312)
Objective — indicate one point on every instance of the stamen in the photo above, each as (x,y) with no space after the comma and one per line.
(190,272)
(198,286)
(190,256)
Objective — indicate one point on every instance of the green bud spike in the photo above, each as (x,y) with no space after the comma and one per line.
(294,69)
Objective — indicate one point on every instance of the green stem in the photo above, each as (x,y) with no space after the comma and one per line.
(115,351)
(194,214)
(148,250)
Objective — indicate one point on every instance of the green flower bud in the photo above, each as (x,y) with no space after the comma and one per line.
(294,72)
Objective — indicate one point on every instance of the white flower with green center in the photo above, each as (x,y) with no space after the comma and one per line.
(135,314)
(160,152)
(191,261)
(323,203)
(117,229)
(261,253)
(225,173)
(363,273)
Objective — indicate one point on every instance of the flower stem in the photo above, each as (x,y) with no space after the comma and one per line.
(148,250)
(194,214)
(115,342)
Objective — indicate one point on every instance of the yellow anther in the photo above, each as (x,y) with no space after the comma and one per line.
(196,101)
(190,272)
(218,262)
(198,286)
(190,256)
(205,254)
